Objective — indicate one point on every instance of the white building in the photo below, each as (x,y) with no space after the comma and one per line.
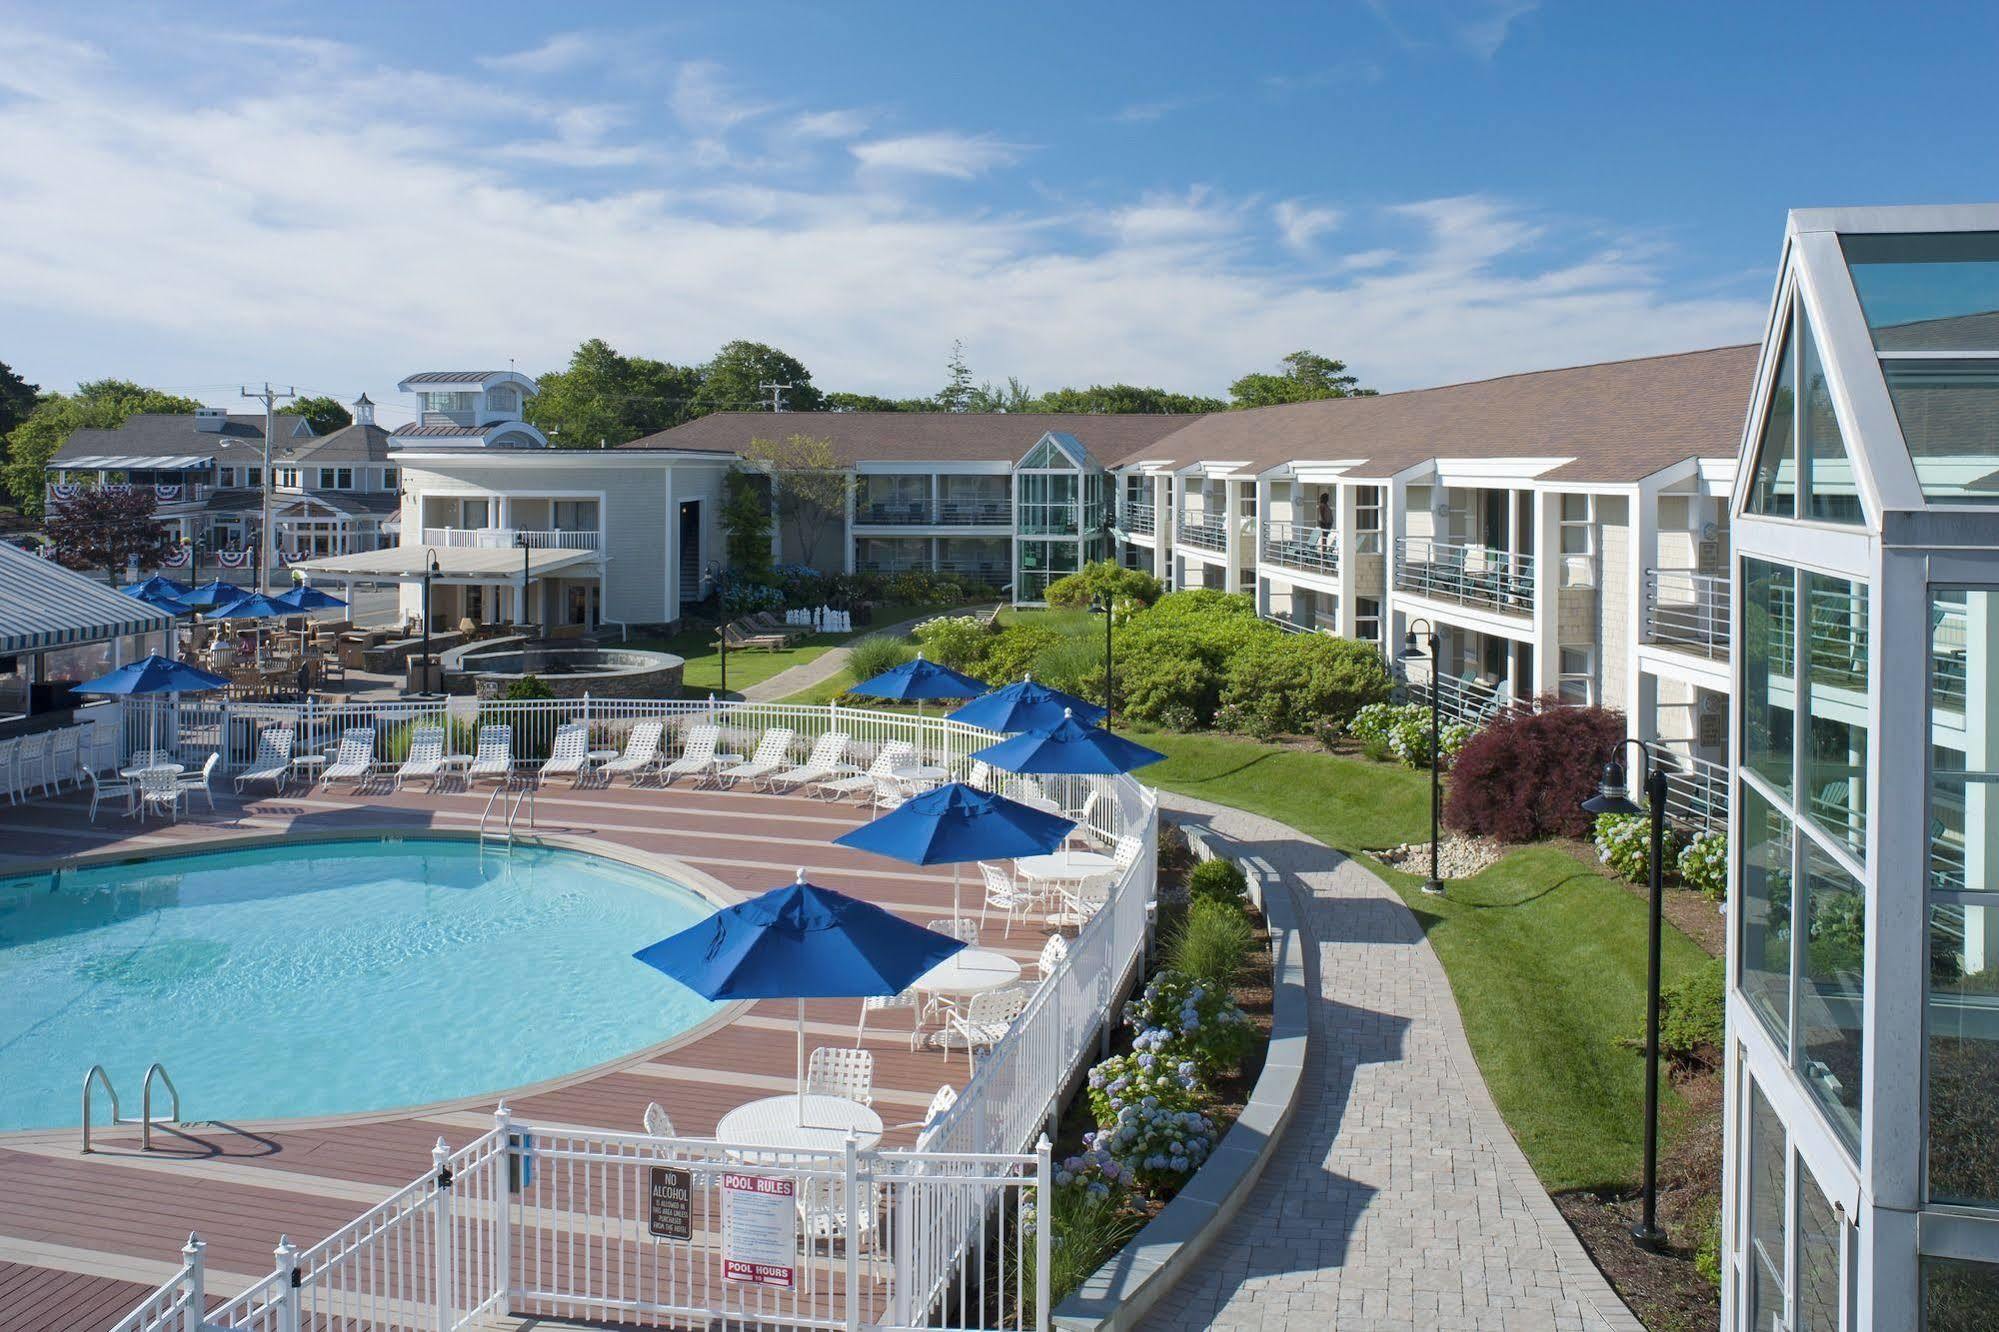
(1863,1027)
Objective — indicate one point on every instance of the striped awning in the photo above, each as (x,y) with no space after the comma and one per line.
(43,605)
(135,462)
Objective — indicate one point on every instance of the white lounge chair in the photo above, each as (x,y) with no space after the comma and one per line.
(882,769)
(273,760)
(835,1070)
(426,757)
(192,783)
(641,753)
(569,753)
(696,756)
(984,1022)
(827,760)
(494,759)
(772,753)
(100,790)
(354,760)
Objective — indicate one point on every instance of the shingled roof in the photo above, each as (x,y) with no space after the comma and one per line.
(173,435)
(920,436)
(1615,421)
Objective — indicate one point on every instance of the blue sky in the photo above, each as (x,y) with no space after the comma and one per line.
(1170,193)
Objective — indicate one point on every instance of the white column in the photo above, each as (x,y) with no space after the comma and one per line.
(1346,521)
(1547,595)
(1161,488)
(1643,540)
(846,532)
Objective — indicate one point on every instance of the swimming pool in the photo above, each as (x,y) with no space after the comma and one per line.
(329,977)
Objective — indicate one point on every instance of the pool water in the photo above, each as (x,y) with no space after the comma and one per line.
(329,977)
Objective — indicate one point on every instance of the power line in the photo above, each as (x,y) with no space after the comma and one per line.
(777,392)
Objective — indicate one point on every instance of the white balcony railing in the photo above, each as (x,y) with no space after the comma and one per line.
(943,513)
(1301,546)
(1696,790)
(1687,610)
(1469,574)
(1135,518)
(508,538)
(1209,533)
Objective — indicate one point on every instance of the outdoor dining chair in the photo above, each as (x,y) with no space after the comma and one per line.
(62,756)
(101,789)
(985,1021)
(835,1070)
(658,1123)
(160,789)
(190,784)
(570,752)
(940,1105)
(696,756)
(827,760)
(641,752)
(769,758)
(875,1003)
(31,764)
(1053,954)
(1007,894)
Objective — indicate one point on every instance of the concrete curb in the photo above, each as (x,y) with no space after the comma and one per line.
(1121,1292)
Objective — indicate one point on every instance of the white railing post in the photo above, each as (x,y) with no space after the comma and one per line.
(197,1284)
(440,1159)
(288,1284)
(1044,1226)
(503,1223)
(853,1232)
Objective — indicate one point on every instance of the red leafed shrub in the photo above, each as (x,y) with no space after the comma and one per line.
(1525,775)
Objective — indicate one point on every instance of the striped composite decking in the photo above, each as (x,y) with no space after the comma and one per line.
(83,1237)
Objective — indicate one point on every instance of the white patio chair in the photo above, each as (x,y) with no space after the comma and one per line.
(192,783)
(940,1105)
(62,756)
(426,757)
(883,768)
(962,928)
(354,760)
(494,756)
(31,764)
(641,753)
(827,760)
(772,753)
(568,754)
(101,790)
(1007,894)
(1083,899)
(889,793)
(835,1070)
(697,756)
(1053,954)
(658,1122)
(984,1022)
(981,778)
(1124,853)
(1082,832)
(10,775)
(159,788)
(273,760)
(875,1003)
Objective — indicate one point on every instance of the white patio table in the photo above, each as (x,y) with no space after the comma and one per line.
(775,1123)
(969,971)
(1066,866)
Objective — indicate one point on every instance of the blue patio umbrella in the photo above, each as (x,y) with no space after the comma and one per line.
(799,942)
(306,598)
(154,675)
(1025,706)
(165,601)
(254,606)
(1068,748)
(212,594)
(157,585)
(955,824)
(919,679)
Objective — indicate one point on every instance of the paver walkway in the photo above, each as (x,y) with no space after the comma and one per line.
(1397,1198)
(797,679)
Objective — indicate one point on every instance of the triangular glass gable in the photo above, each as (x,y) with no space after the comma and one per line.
(1773,488)
(1048,456)
(1832,492)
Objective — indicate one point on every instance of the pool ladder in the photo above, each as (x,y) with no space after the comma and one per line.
(509,813)
(98,1077)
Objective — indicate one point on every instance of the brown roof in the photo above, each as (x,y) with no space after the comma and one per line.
(922,436)
(1618,421)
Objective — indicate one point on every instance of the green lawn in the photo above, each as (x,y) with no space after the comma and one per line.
(1546,956)
(753,666)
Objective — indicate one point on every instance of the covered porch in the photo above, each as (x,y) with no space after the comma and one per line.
(536,586)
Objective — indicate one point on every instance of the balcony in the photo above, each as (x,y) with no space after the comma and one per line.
(1301,546)
(1470,575)
(1696,790)
(507,538)
(941,513)
(1209,533)
(1466,699)
(1687,610)
(1136,519)
(994,572)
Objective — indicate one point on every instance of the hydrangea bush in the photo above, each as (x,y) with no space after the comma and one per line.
(1179,1018)
(1403,732)
(1143,1077)
(1095,1171)
(1624,842)
(1704,864)
(1160,1147)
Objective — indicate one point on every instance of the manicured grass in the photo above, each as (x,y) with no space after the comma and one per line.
(1546,956)
(748,666)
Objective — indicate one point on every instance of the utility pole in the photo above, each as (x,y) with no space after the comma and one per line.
(266,544)
(777,392)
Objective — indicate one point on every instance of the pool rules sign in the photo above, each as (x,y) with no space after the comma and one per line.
(760,1230)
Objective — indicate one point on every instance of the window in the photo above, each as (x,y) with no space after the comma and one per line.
(1832,495)
(326,478)
(1367,520)
(253,476)
(575,515)
(1837,664)
(1774,491)
(1769,637)
(1802,466)
(1766,1213)
(503,400)
(1959,1296)
(1578,540)
(225,477)
(1367,618)
(1577,682)
(447,402)
(1928,292)
(1821,1241)
(1048,456)
(389,478)
(1832,991)
(1765,916)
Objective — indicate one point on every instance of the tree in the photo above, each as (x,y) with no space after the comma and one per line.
(102,403)
(812,487)
(956,395)
(1013,396)
(746,521)
(17,400)
(1114,399)
(608,397)
(731,382)
(870,402)
(102,527)
(1306,377)
(324,415)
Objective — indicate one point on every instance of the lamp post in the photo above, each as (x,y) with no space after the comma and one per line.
(1434,885)
(720,577)
(429,570)
(521,540)
(1611,799)
(1104,604)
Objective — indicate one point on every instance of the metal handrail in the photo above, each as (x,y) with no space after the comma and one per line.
(97,1074)
(146,1120)
(1466,572)
(1301,546)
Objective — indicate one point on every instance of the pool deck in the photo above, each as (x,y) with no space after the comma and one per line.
(83,1238)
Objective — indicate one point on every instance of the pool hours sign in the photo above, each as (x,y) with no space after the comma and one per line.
(760,1230)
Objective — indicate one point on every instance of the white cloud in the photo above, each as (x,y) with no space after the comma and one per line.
(144,233)
(1485,33)
(941,153)
(1301,224)
(1145,113)
(830,124)
(560,52)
